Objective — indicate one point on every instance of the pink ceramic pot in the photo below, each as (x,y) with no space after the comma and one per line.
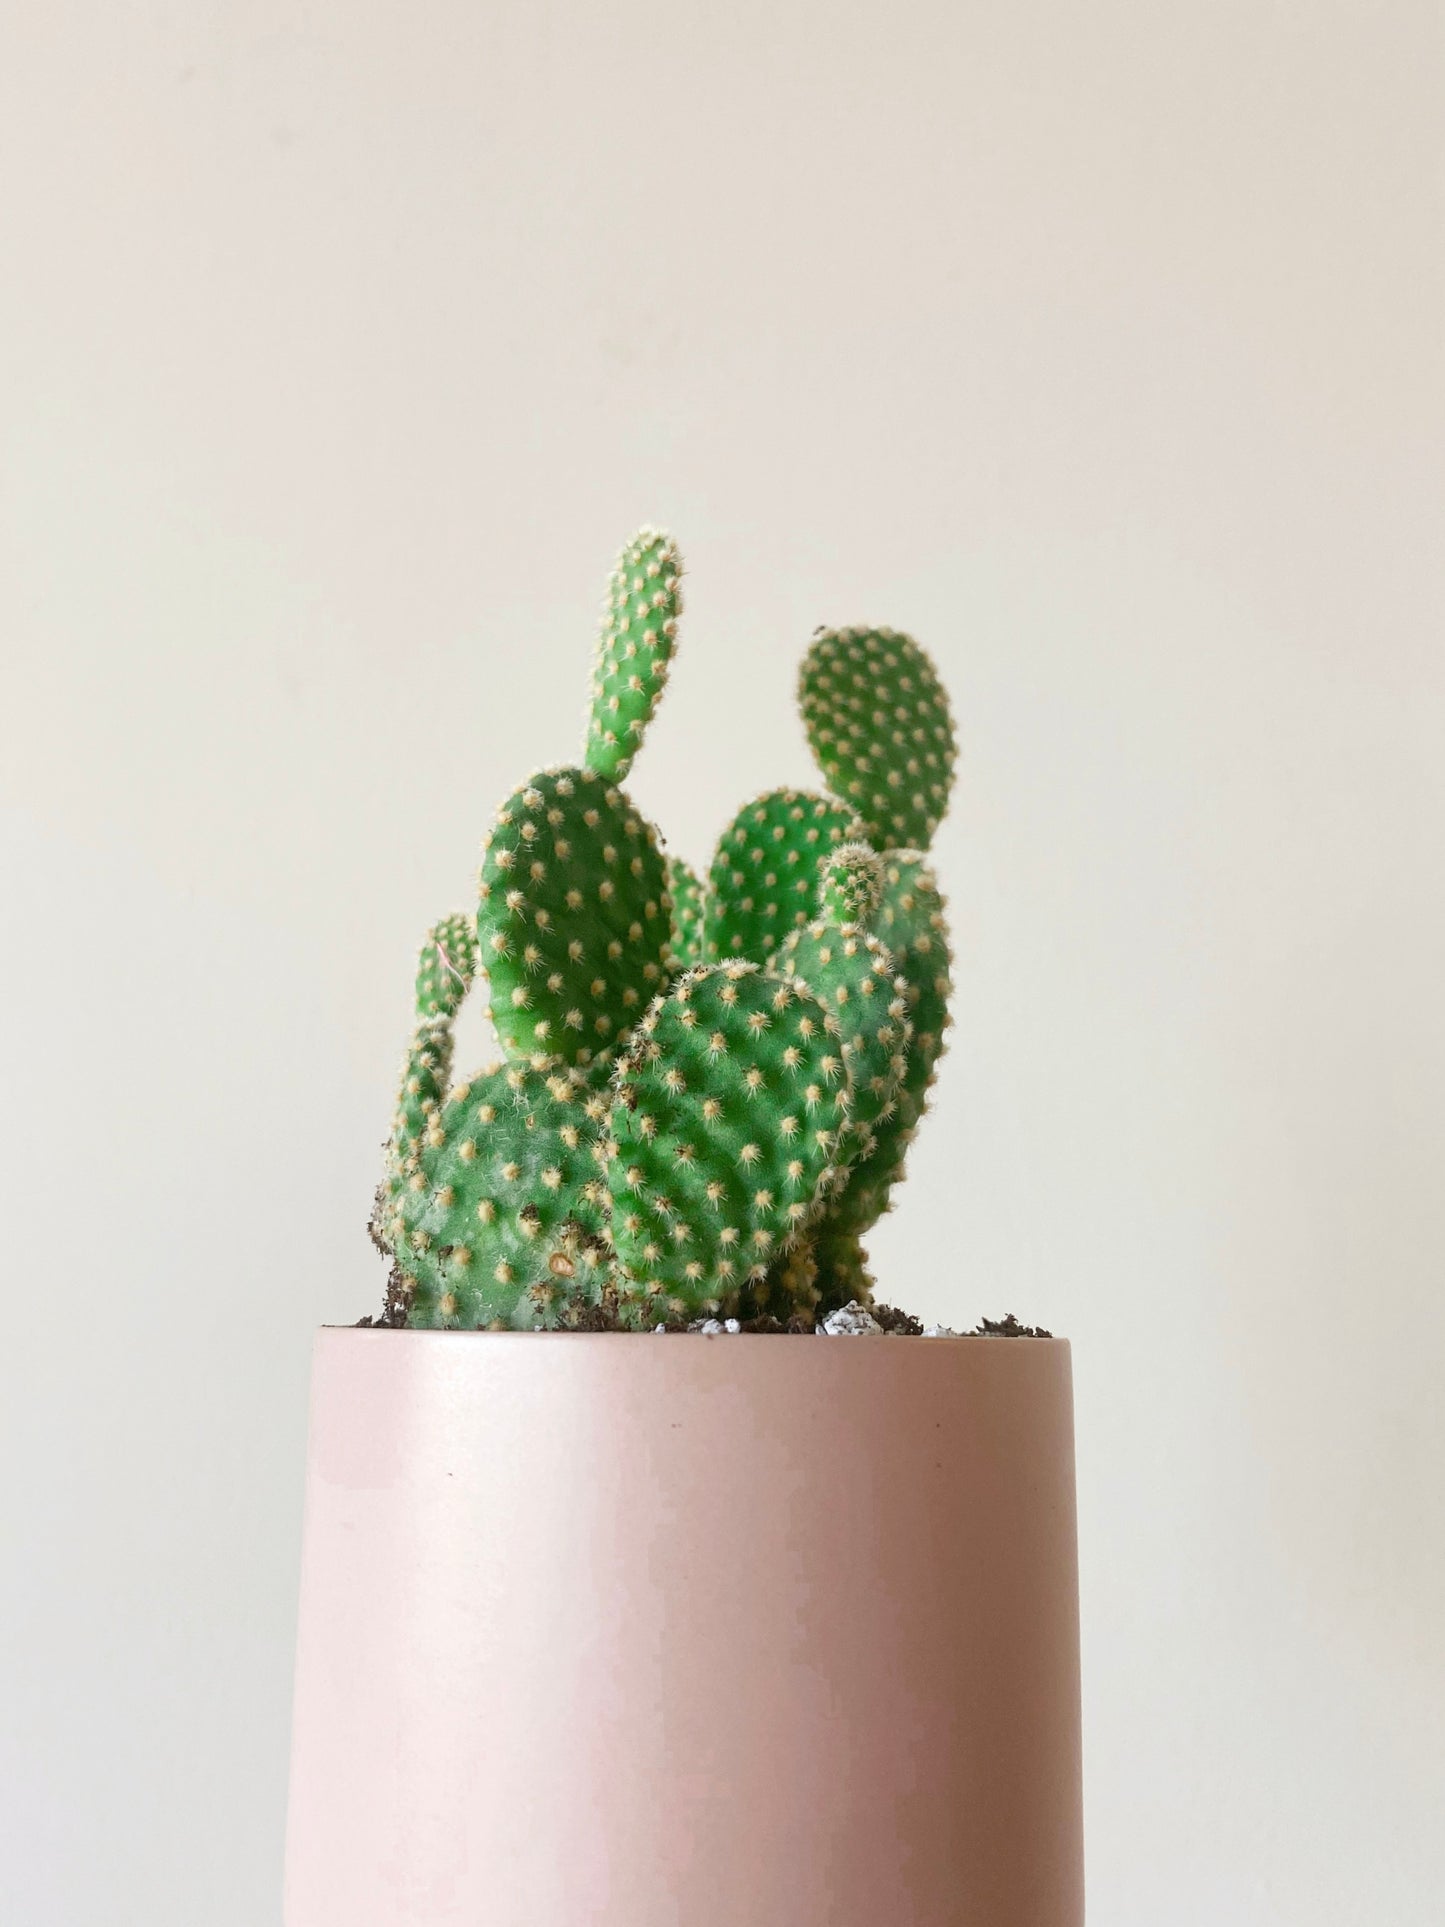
(687,1632)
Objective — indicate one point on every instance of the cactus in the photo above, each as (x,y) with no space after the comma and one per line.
(634,650)
(764,878)
(724,1133)
(573,923)
(912,920)
(852,974)
(850,888)
(498,1222)
(687,913)
(913,926)
(444,973)
(446,966)
(707,1091)
(878,721)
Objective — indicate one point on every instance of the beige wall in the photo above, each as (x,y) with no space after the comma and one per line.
(1101,347)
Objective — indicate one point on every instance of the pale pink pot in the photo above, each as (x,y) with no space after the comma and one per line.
(687,1632)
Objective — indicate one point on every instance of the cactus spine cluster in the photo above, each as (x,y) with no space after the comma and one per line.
(708,1089)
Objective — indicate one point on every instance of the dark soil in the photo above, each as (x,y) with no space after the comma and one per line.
(601,1318)
(901,1323)
(373,1223)
(1007,1327)
(393,1312)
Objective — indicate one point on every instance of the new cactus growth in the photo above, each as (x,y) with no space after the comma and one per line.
(446,966)
(444,975)
(850,889)
(708,1091)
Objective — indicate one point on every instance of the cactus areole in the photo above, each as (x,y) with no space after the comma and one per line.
(709,1085)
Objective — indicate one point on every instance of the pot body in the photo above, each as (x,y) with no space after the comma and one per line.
(628,1631)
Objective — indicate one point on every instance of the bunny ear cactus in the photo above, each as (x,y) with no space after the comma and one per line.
(634,650)
(446,966)
(914,929)
(687,912)
(878,721)
(730,1105)
(764,878)
(853,975)
(850,889)
(707,1090)
(573,920)
(499,1220)
(444,972)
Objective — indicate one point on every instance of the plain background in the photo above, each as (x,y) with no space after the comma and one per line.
(1101,347)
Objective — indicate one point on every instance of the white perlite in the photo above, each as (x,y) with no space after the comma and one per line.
(939,1331)
(852,1321)
(715,1327)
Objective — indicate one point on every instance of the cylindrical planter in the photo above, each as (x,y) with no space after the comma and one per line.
(631,1631)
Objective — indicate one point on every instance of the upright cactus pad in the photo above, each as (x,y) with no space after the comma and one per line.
(911,918)
(687,894)
(639,627)
(446,967)
(878,721)
(764,878)
(497,1218)
(573,922)
(724,1133)
(444,972)
(852,974)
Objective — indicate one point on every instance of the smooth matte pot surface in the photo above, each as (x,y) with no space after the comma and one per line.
(629,1631)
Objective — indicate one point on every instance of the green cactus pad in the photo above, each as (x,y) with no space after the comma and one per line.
(497,1216)
(639,629)
(840,1269)
(878,721)
(764,878)
(572,922)
(792,1285)
(724,1133)
(851,886)
(446,967)
(424,1080)
(852,975)
(912,921)
(687,896)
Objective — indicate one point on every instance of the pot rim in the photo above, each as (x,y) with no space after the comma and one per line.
(708,1338)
